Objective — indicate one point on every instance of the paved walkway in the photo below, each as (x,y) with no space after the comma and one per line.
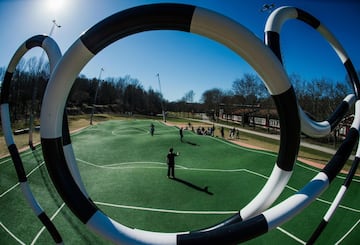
(277,137)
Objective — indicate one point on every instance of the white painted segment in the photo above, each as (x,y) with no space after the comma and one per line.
(278,17)
(120,234)
(268,194)
(242,41)
(58,88)
(6,124)
(16,58)
(356,122)
(290,207)
(313,128)
(30,198)
(72,165)
(350,99)
(335,203)
(53,52)
(358,151)
(335,44)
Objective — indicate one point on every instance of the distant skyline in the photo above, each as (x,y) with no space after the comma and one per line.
(185,61)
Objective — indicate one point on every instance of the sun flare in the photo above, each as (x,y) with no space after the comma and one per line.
(55,5)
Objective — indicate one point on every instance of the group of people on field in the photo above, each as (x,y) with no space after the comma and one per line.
(170,158)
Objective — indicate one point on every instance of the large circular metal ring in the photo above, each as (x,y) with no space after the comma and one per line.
(272,39)
(184,18)
(53,52)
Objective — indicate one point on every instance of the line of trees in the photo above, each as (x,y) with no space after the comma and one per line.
(318,97)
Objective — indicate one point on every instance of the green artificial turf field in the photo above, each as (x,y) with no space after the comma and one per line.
(124,170)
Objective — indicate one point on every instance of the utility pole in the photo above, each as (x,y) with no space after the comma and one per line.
(162,102)
(96,92)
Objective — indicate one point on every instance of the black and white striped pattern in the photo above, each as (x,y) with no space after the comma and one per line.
(272,39)
(336,202)
(287,209)
(164,17)
(54,55)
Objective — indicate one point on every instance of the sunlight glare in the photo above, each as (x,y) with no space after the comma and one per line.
(55,5)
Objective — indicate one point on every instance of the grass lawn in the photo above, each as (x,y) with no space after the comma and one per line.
(123,168)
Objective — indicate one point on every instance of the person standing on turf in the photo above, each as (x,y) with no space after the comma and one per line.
(171,163)
(181,134)
(152,129)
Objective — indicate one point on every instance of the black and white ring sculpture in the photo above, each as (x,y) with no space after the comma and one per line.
(53,52)
(337,200)
(272,39)
(184,18)
(287,209)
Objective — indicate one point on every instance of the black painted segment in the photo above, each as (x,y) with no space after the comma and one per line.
(5,87)
(352,172)
(135,20)
(337,162)
(354,78)
(308,18)
(287,108)
(65,130)
(338,114)
(35,41)
(317,232)
(50,227)
(61,176)
(272,40)
(232,220)
(231,234)
(19,167)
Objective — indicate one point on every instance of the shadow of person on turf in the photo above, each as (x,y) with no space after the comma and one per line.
(205,189)
(191,143)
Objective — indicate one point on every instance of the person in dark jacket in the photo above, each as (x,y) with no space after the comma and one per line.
(171,163)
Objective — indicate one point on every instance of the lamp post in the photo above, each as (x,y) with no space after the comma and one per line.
(35,87)
(162,103)
(96,92)
(50,33)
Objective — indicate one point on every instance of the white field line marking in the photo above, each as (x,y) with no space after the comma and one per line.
(121,165)
(291,235)
(347,233)
(316,171)
(164,210)
(10,160)
(274,155)
(13,187)
(11,234)
(43,228)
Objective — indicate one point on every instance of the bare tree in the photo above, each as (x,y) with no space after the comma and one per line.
(250,87)
(188,97)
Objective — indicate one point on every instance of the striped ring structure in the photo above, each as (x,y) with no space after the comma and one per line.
(339,196)
(54,55)
(290,207)
(272,39)
(178,17)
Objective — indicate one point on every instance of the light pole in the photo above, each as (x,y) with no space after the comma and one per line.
(162,103)
(31,119)
(268,7)
(96,92)
(50,33)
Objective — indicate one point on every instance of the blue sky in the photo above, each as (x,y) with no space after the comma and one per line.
(185,61)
